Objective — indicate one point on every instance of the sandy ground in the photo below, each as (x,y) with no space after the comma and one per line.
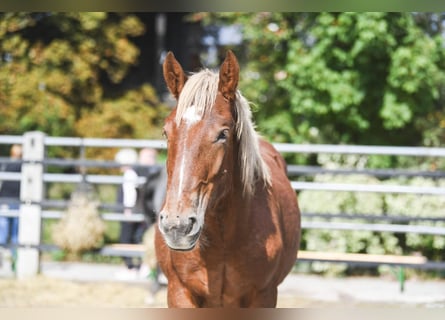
(94,285)
(43,291)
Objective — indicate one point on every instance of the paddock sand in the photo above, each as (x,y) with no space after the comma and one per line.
(42,291)
(296,292)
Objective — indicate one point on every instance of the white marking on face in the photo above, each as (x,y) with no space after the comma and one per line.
(181,173)
(191,115)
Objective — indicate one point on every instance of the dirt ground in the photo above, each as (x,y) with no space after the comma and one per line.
(43,291)
(94,285)
(46,292)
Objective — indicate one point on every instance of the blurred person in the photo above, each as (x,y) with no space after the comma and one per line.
(10,198)
(130,232)
(151,197)
(146,195)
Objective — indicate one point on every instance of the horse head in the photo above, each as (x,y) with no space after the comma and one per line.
(200,133)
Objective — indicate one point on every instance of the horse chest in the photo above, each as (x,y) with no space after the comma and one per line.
(219,279)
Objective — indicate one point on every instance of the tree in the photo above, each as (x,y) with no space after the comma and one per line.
(365,78)
(61,72)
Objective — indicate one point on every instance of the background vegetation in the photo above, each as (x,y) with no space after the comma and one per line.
(358,78)
(66,74)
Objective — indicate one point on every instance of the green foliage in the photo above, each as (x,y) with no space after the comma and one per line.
(60,70)
(135,114)
(420,206)
(359,78)
(376,204)
(356,203)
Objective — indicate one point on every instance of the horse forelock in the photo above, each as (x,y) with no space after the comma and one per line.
(199,93)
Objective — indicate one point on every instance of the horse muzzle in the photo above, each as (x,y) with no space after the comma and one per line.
(180,233)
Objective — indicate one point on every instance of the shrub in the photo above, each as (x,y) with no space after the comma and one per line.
(377,204)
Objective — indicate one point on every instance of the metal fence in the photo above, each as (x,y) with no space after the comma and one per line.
(34,206)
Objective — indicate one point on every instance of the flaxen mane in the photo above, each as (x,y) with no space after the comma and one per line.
(200,91)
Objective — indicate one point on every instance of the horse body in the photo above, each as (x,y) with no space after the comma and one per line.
(226,237)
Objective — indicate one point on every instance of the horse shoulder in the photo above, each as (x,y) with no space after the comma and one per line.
(272,157)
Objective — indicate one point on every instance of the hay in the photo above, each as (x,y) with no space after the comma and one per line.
(81,228)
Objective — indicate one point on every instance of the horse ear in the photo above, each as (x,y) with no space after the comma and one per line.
(228,76)
(173,74)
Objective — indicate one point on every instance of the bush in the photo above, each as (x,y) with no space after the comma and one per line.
(377,204)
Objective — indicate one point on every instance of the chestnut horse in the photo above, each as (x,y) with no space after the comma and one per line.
(229,230)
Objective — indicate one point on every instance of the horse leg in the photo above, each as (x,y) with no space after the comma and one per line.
(179,297)
(266,298)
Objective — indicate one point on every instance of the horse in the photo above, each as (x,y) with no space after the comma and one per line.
(229,229)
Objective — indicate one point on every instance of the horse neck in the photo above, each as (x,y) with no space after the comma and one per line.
(231,210)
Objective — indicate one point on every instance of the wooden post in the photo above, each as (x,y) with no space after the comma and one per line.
(31,195)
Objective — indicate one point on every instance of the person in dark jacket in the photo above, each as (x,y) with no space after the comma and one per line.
(148,192)
(151,196)
(10,198)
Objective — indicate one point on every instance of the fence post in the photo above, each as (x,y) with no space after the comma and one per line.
(31,195)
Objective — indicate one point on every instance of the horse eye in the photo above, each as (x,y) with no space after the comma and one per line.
(164,134)
(223,135)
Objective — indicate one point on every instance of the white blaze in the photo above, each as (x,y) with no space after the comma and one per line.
(190,117)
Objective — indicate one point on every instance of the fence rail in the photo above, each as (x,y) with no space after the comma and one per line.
(372,188)
(36,205)
(363,150)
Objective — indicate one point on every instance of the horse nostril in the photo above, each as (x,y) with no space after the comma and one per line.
(192,221)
